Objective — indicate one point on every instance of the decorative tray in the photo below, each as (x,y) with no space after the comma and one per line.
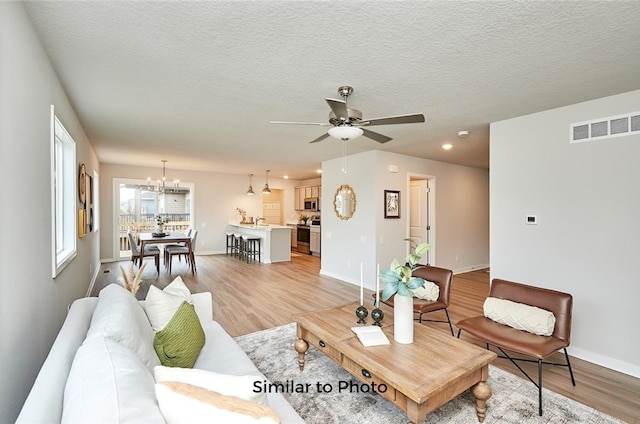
(159,234)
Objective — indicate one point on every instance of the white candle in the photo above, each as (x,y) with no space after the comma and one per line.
(361,286)
(378,287)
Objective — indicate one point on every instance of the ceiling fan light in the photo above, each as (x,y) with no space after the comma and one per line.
(345,132)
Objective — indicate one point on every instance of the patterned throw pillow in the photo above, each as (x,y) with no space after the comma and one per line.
(520,316)
(184,403)
(180,342)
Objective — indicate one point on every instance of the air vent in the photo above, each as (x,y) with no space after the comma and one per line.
(603,128)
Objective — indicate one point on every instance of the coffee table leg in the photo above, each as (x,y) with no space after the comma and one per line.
(301,347)
(482,392)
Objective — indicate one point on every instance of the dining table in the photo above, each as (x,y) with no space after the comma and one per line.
(171,237)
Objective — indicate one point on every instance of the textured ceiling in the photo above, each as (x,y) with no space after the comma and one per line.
(197,83)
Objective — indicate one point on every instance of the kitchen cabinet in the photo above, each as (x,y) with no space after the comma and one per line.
(304,192)
(314,241)
(294,236)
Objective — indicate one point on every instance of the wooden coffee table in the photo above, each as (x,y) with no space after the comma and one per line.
(417,377)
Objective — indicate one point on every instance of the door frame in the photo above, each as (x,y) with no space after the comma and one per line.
(430,235)
(115,233)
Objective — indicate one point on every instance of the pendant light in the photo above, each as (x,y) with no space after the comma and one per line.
(161,183)
(266,189)
(250,191)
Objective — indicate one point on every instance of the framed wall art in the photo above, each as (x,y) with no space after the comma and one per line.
(391,204)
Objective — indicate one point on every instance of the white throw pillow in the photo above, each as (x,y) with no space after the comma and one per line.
(241,386)
(108,383)
(161,305)
(429,291)
(182,403)
(520,316)
(119,316)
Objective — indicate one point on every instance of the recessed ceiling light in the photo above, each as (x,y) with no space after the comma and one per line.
(447,146)
(319,171)
(463,133)
(286,177)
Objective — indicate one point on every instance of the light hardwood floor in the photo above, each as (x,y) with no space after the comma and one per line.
(255,296)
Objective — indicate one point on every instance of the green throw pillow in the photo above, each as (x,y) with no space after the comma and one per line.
(180,342)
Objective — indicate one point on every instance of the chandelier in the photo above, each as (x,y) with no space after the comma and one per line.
(162,182)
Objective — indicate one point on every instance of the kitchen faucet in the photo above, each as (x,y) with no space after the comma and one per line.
(258,219)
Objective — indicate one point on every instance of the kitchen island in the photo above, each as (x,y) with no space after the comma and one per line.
(276,240)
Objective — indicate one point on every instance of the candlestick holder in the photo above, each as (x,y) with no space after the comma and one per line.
(377,315)
(361,313)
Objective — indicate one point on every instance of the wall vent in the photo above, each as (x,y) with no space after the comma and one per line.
(603,128)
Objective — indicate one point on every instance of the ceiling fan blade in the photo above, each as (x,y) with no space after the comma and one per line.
(375,136)
(320,124)
(322,137)
(389,120)
(339,108)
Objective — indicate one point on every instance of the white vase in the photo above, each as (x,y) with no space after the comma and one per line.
(403,319)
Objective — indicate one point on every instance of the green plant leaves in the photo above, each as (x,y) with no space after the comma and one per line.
(398,278)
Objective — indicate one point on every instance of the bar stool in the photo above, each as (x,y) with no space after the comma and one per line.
(238,247)
(230,242)
(251,247)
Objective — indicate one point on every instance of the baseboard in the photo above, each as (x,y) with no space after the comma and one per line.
(605,361)
(92,283)
(469,268)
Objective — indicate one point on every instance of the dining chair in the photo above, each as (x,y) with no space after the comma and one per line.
(178,244)
(137,255)
(186,251)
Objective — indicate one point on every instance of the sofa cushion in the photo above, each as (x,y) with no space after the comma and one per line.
(428,291)
(161,305)
(241,386)
(520,316)
(119,316)
(108,383)
(180,342)
(185,403)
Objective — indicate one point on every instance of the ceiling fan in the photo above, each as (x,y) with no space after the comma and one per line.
(347,124)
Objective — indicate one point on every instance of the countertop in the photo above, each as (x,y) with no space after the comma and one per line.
(264,227)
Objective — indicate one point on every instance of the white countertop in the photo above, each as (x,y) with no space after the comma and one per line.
(263,227)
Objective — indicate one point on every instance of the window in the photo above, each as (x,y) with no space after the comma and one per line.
(63,190)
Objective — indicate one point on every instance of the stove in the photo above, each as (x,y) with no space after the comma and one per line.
(303,238)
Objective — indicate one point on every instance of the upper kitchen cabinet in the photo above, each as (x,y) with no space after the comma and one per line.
(305,192)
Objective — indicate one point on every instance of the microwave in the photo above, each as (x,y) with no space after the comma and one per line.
(311,204)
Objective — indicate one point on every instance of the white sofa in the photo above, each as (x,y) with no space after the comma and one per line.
(48,396)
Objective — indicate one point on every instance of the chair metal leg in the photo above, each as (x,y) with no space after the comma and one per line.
(449,320)
(566,355)
(540,387)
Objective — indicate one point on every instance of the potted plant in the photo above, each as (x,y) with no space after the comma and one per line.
(399,280)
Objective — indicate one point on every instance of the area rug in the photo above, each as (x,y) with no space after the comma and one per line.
(331,395)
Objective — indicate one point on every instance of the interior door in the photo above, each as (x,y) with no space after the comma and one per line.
(419,214)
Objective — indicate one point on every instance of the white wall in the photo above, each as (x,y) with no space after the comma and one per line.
(587,201)
(215,197)
(32,304)
(461,215)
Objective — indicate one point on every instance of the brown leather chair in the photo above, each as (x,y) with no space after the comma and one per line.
(506,338)
(442,277)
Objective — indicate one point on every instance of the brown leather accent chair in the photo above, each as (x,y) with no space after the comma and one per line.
(440,276)
(507,338)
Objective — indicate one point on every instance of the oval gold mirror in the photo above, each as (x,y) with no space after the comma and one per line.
(344,202)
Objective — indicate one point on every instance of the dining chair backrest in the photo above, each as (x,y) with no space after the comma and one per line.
(134,245)
(194,234)
(189,231)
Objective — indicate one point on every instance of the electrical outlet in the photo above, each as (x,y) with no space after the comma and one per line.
(457,258)
(381,240)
